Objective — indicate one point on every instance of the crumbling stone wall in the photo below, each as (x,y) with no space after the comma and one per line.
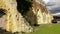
(39,14)
(13,17)
(43,15)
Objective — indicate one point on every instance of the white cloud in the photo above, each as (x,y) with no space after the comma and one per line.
(56,14)
(46,1)
(54,6)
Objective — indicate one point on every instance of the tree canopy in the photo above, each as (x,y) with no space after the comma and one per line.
(23,6)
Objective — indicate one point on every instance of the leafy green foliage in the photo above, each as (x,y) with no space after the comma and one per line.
(23,6)
(29,0)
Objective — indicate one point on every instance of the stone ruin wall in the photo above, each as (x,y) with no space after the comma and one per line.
(15,21)
(39,14)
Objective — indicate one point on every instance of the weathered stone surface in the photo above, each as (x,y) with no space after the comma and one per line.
(24,25)
(13,17)
(39,14)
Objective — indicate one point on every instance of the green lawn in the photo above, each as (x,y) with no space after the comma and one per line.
(55,29)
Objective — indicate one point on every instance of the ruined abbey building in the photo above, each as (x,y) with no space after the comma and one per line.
(38,14)
(17,21)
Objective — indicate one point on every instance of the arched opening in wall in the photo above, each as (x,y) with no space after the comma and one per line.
(2,12)
(3,22)
(2,18)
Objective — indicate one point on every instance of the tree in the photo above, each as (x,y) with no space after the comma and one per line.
(23,6)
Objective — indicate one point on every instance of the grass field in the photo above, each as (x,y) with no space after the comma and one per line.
(52,29)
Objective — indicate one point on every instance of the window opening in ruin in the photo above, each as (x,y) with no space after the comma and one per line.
(2,12)
(2,18)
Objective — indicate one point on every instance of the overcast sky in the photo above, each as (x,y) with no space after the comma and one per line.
(53,6)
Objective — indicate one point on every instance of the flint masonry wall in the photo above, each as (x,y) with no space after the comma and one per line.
(39,14)
(15,21)
(43,14)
